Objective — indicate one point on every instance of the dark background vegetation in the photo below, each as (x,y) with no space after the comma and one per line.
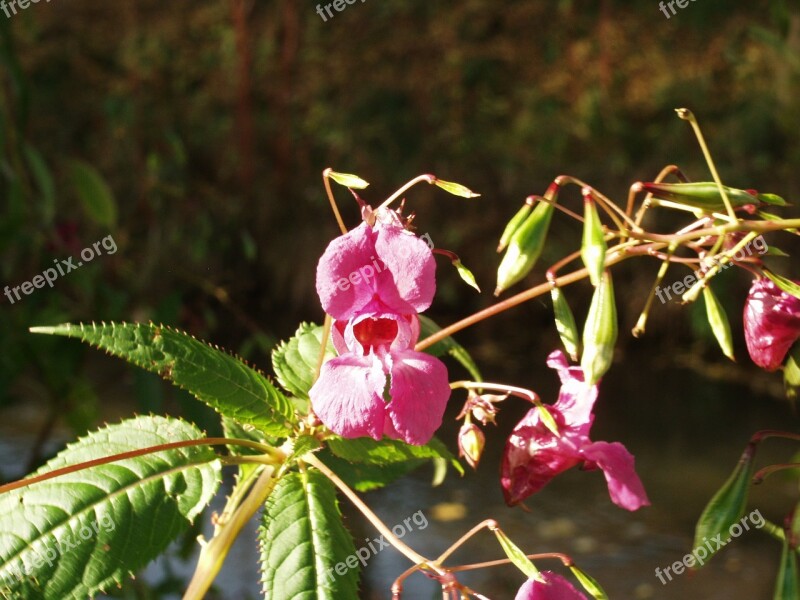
(211,122)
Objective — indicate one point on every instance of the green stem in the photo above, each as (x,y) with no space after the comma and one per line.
(214,552)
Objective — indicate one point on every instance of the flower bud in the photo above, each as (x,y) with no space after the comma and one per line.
(471,442)
(600,331)
(565,323)
(524,248)
(771,323)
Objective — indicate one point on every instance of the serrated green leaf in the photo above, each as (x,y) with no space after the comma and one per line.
(456,189)
(364,477)
(787,285)
(82,532)
(367,450)
(222,381)
(348,180)
(303,540)
(295,361)
(718,320)
(727,506)
(448,346)
(466,275)
(95,195)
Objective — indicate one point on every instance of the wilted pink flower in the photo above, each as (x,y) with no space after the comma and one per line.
(379,385)
(554,587)
(534,455)
(771,323)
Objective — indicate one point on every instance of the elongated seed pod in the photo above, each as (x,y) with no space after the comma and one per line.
(515,223)
(600,331)
(524,248)
(705,195)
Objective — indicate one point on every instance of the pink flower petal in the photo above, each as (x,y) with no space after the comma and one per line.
(576,398)
(348,396)
(419,391)
(624,486)
(412,266)
(771,323)
(554,587)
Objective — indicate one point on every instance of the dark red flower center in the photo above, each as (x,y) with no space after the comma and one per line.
(375,334)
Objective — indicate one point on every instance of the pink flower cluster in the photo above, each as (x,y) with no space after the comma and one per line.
(379,385)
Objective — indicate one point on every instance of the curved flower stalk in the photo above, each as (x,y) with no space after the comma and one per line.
(534,455)
(373,281)
(771,323)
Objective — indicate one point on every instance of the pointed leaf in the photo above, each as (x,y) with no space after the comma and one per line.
(364,477)
(727,506)
(303,541)
(295,361)
(589,583)
(82,532)
(456,189)
(367,450)
(718,320)
(448,346)
(517,557)
(222,381)
(466,275)
(347,180)
(565,323)
(95,195)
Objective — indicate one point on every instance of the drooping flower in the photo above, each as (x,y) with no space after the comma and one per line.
(534,455)
(552,587)
(373,281)
(771,323)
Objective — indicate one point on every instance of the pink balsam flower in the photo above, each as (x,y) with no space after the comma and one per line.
(552,587)
(771,323)
(534,455)
(373,281)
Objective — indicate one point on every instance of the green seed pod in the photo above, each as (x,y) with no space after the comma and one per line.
(565,323)
(600,331)
(705,195)
(515,222)
(593,248)
(787,586)
(727,506)
(718,320)
(524,248)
